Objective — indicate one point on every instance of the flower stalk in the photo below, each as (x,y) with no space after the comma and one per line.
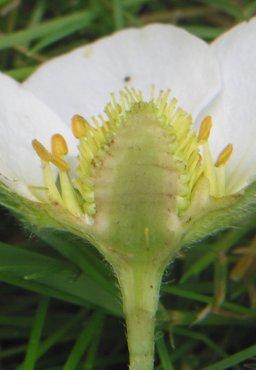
(140,284)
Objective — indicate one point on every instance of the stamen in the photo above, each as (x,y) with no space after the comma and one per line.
(209,169)
(41,151)
(68,194)
(87,135)
(224,155)
(49,181)
(59,149)
(79,125)
(60,163)
(59,145)
(221,170)
(220,181)
(205,129)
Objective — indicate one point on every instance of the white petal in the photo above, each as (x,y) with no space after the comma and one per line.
(22,119)
(169,57)
(18,187)
(234,111)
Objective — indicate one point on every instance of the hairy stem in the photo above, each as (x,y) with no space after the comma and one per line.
(139,285)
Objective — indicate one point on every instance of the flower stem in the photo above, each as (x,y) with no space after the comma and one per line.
(139,285)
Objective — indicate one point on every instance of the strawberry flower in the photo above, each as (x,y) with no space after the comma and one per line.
(142,174)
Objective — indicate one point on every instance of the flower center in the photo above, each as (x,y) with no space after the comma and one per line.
(159,123)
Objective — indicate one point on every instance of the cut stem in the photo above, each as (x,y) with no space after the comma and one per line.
(140,285)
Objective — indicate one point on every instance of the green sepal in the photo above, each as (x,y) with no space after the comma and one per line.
(222,214)
(42,215)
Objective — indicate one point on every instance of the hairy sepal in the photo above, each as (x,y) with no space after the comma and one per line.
(219,215)
(42,215)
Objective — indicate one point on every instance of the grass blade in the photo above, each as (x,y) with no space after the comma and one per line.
(83,342)
(239,357)
(46,28)
(163,354)
(34,340)
(54,277)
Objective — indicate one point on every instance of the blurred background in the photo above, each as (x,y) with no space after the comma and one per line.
(59,303)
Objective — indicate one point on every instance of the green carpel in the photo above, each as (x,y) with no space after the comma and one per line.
(136,185)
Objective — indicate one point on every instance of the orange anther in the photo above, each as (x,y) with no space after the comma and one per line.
(79,126)
(59,145)
(224,155)
(41,151)
(205,129)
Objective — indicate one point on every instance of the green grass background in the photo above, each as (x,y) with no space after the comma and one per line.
(59,303)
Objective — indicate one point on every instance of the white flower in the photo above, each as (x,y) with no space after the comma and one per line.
(217,80)
(146,184)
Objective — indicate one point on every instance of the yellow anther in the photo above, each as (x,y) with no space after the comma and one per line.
(79,126)
(59,145)
(49,180)
(60,163)
(205,129)
(41,151)
(224,156)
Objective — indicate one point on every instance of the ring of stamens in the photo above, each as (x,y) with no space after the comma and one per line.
(190,152)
